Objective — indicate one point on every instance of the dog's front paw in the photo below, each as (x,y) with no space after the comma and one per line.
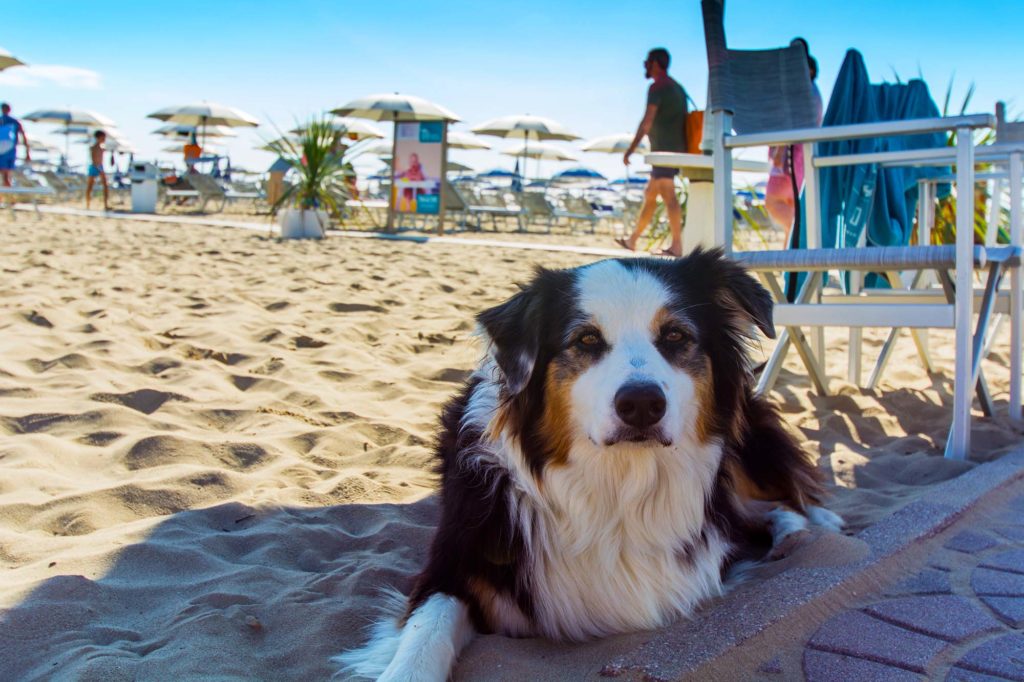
(826,518)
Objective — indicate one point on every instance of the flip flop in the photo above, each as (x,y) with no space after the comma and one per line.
(666,252)
(621,241)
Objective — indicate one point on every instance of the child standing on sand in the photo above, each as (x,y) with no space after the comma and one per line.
(96,170)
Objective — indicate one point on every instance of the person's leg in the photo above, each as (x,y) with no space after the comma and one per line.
(7,177)
(88,190)
(778,201)
(646,213)
(106,192)
(667,191)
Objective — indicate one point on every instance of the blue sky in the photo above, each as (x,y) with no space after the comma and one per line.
(577,62)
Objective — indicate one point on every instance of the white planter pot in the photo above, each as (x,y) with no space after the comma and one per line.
(302,223)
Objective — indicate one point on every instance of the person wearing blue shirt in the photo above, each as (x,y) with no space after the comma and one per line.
(9,129)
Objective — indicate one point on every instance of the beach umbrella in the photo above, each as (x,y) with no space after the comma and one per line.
(204,114)
(458,140)
(395,107)
(578,174)
(527,128)
(69,117)
(185,131)
(615,144)
(455,166)
(353,128)
(180,148)
(8,60)
(381,148)
(539,150)
(630,182)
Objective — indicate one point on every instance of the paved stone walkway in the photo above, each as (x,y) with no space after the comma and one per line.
(959,619)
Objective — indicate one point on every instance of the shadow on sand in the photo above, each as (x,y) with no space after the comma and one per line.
(228,592)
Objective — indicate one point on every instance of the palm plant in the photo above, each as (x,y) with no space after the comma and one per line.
(944,231)
(322,172)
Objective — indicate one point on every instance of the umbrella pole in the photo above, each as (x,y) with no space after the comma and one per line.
(67,140)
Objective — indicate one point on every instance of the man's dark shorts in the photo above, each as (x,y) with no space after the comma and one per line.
(658,172)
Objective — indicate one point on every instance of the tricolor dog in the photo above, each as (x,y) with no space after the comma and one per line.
(601,467)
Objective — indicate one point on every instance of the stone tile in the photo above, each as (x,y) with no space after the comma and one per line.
(946,616)
(772,667)
(1003,657)
(999,583)
(961,675)
(821,666)
(1010,609)
(970,542)
(857,634)
(1012,560)
(928,581)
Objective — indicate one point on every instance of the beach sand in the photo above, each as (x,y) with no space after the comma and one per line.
(215,447)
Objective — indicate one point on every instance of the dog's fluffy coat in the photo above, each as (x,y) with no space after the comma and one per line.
(563,518)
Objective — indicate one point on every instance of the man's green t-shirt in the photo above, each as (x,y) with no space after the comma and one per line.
(668,132)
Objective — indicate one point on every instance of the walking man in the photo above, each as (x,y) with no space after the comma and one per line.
(96,170)
(664,123)
(10,127)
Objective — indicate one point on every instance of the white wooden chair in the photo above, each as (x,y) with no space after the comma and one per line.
(743,87)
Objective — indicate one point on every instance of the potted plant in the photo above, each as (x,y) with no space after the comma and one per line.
(320,187)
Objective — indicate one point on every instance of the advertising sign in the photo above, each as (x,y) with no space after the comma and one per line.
(417,167)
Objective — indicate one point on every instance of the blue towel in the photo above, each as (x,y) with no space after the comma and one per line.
(882,201)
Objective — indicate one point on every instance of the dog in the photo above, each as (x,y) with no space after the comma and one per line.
(604,465)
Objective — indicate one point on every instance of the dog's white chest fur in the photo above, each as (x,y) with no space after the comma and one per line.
(618,544)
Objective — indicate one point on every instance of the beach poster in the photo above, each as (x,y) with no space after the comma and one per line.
(417,167)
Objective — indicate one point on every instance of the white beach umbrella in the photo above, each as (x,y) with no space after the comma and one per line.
(380,148)
(459,140)
(205,114)
(540,150)
(615,144)
(353,128)
(183,130)
(69,117)
(395,107)
(8,60)
(526,127)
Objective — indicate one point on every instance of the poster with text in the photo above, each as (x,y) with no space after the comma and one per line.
(417,167)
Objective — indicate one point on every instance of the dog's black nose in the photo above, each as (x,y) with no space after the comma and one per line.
(640,405)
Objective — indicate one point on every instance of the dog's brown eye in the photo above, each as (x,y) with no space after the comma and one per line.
(672,336)
(590,339)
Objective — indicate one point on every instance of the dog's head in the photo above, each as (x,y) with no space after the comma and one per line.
(627,354)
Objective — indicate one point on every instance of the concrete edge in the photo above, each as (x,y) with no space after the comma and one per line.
(685,647)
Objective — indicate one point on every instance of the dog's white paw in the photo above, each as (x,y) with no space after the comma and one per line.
(819,516)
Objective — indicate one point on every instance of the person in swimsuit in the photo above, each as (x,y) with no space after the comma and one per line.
(10,127)
(787,164)
(96,170)
(664,123)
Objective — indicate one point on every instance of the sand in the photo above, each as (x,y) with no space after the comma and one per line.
(215,446)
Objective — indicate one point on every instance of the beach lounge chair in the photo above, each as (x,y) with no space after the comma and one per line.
(24,187)
(764,95)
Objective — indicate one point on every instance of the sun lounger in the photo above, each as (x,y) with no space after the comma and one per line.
(762,95)
(25,188)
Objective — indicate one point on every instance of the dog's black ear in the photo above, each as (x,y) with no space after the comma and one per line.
(745,294)
(513,332)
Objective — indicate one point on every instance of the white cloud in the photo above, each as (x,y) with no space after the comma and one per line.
(37,75)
